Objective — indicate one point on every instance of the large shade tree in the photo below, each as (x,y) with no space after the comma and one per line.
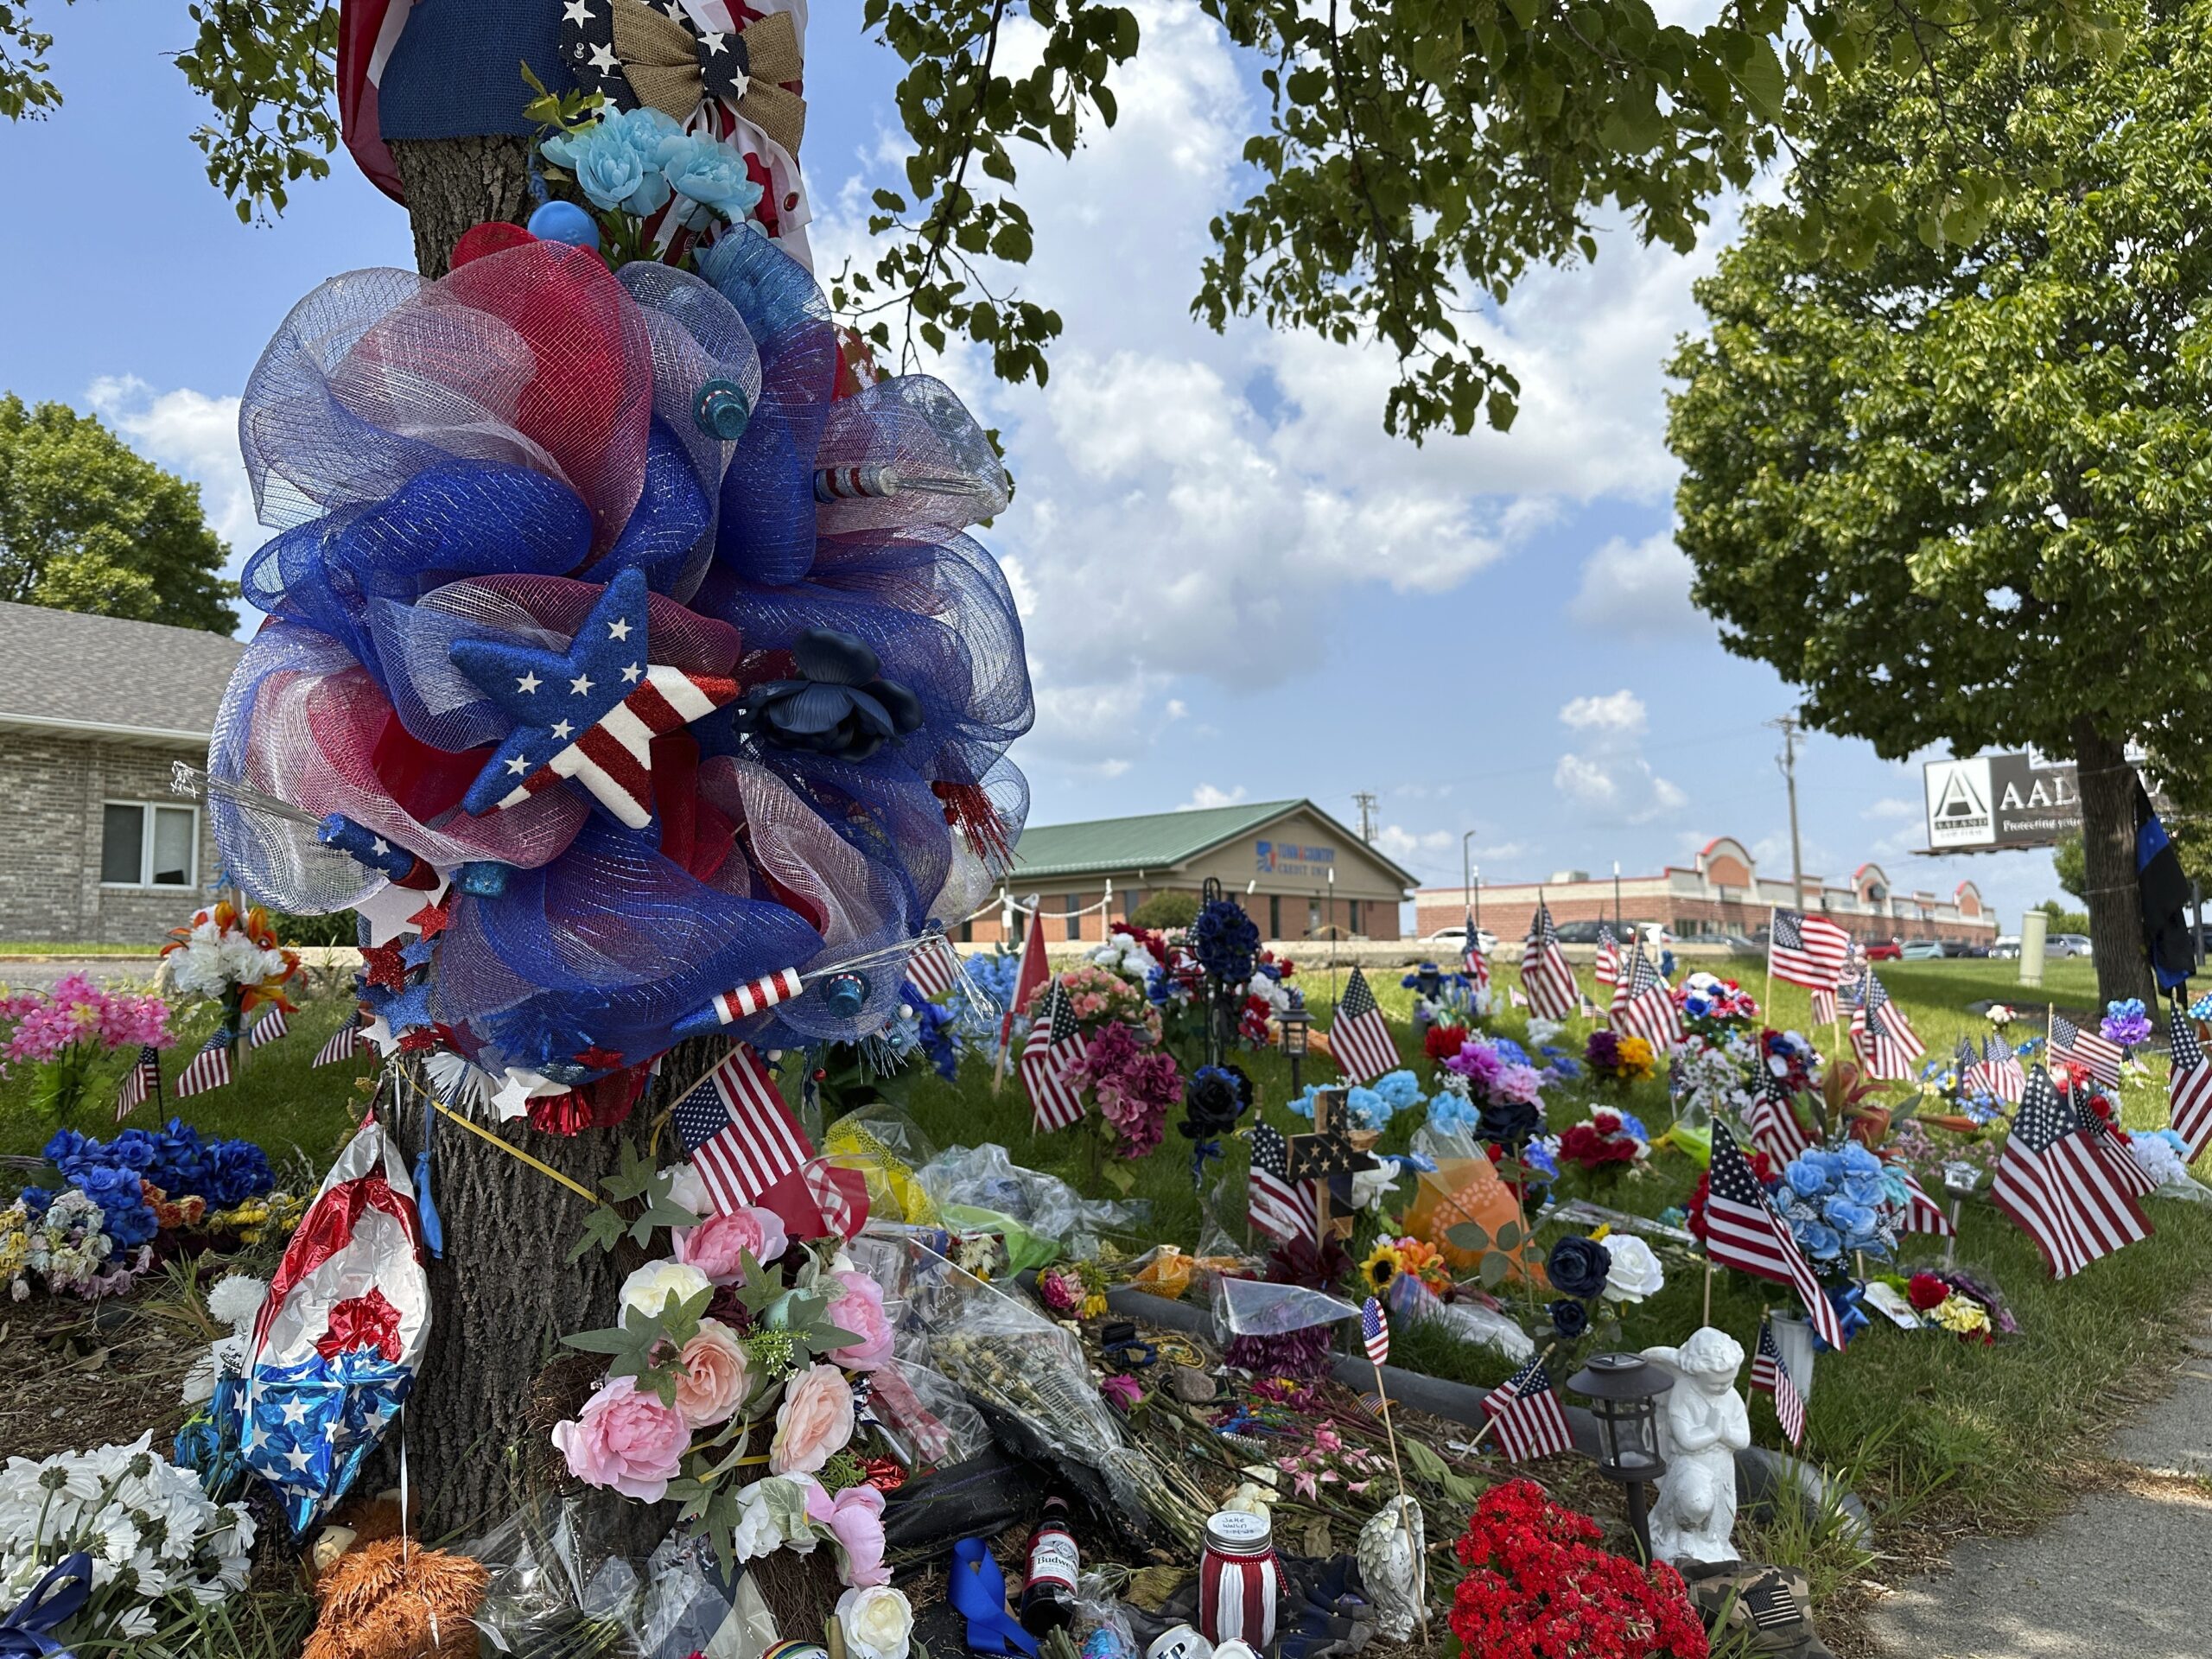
(1957,489)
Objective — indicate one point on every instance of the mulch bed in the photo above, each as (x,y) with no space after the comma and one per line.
(85,1374)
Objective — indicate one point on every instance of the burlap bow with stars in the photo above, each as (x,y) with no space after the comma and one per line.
(636,54)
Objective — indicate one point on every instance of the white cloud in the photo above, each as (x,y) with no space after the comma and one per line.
(1638,588)
(1205,796)
(1608,778)
(194,435)
(1893,806)
(1427,849)
(1620,711)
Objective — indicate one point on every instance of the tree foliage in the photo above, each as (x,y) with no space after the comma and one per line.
(87,524)
(1956,491)
(1416,158)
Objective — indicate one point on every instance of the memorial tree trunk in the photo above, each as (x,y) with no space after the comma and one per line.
(2107,785)
(505,1293)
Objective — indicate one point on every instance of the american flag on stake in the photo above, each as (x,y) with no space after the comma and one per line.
(1774,1127)
(1526,1413)
(1545,973)
(1884,1038)
(1032,973)
(2116,1152)
(1921,1213)
(1824,1005)
(741,1137)
(1472,957)
(1607,968)
(1055,1044)
(1807,951)
(933,968)
(2093,1051)
(2056,1186)
(2000,1071)
(2188,1092)
(210,1067)
(1770,1375)
(1742,1231)
(1514,997)
(141,1083)
(342,1043)
(1375,1330)
(1280,1207)
(1359,1037)
(268,1028)
(1643,1006)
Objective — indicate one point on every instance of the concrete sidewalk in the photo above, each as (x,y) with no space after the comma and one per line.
(2128,1572)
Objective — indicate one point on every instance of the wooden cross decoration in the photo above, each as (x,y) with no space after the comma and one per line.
(1329,1158)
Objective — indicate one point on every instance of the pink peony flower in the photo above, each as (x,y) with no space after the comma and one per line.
(854,1517)
(714,1381)
(718,1245)
(815,1421)
(860,1310)
(625,1440)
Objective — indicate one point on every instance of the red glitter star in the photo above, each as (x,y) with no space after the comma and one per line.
(386,966)
(430,920)
(600,1060)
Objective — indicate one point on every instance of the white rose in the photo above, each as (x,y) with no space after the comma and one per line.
(876,1621)
(688,1191)
(1635,1272)
(652,1287)
(1370,1188)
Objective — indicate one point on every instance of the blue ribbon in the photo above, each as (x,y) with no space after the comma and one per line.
(426,1206)
(1853,1318)
(56,1598)
(978,1593)
(1200,1151)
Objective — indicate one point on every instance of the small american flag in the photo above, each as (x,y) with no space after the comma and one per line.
(1775,1128)
(209,1067)
(1742,1231)
(1513,996)
(1280,1207)
(1824,1005)
(1885,1041)
(1770,1375)
(1807,951)
(2116,1150)
(1607,968)
(741,1137)
(1056,1044)
(934,968)
(2000,1071)
(141,1083)
(1644,1006)
(1472,957)
(1359,1037)
(268,1028)
(1920,1213)
(1527,1413)
(2055,1183)
(342,1043)
(1545,973)
(2093,1051)
(1375,1330)
(2188,1094)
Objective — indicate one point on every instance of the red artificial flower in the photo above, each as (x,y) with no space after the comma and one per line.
(2102,1105)
(1926,1291)
(1442,1042)
(1588,1146)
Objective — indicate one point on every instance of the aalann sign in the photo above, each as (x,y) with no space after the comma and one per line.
(2001,800)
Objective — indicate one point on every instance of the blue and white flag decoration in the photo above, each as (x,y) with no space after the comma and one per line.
(337,1344)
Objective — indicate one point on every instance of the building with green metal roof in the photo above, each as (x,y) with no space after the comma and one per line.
(1296,869)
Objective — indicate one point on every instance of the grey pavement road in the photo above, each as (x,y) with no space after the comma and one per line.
(40,973)
(2128,1572)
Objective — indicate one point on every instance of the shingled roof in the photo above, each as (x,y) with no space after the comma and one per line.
(62,670)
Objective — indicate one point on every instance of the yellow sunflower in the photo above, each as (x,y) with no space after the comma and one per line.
(1383,1264)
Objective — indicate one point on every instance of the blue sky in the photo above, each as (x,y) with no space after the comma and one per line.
(1236,586)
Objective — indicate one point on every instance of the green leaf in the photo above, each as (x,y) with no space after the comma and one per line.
(1468,1236)
(1494,1268)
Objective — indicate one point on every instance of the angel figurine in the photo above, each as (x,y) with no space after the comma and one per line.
(1702,1425)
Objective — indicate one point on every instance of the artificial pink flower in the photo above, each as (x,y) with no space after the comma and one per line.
(625,1440)
(860,1310)
(854,1517)
(814,1423)
(718,1245)
(1123,1391)
(715,1377)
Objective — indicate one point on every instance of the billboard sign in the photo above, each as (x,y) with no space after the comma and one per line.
(1991,801)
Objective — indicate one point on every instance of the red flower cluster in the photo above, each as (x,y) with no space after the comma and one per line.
(1761,1167)
(1538,1588)
(1926,1291)
(1442,1042)
(1588,1146)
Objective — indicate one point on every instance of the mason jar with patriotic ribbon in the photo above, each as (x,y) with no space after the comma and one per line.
(1239,1580)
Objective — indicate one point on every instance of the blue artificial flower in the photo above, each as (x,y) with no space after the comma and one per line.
(67,1147)
(1696,1007)
(1511,1052)
(1538,1156)
(35,1200)
(1856,1160)
(1400,1091)
(1564,1067)
(127,1217)
(1804,1177)
(611,172)
(1448,1113)
(1857,1223)
(1631,1124)
(1225,941)
(1303,1105)
(839,705)
(1817,1238)
(711,173)
(1865,1188)
(237,1170)
(1368,1110)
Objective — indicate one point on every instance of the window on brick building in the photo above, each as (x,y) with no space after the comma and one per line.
(143,845)
(1074,905)
(1352,923)
(1274,915)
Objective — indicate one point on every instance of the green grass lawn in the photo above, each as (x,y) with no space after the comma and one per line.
(1981,1431)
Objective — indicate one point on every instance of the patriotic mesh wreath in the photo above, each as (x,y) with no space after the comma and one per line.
(613,652)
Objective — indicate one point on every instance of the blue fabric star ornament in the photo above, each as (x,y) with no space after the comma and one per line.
(590,712)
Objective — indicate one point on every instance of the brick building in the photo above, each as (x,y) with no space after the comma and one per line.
(94,709)
(1292,866)
(1721,892)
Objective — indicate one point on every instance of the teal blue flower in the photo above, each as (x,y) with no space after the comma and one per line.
(617,161)
(712,176)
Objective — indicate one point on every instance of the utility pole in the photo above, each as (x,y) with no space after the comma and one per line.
(1789,726)
(1366,803)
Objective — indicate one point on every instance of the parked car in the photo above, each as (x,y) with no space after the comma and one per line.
(1740,943)
(1883,951)
(1455,937)
(2005,947)
(1919,951)
(2067,944)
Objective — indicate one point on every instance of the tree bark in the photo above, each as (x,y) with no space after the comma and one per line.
(2107,785)
(455,184)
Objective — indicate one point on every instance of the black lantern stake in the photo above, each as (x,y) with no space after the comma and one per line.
(1296,1023)
(1622,1390)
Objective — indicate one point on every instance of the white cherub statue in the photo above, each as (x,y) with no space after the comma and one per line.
(1702,1425)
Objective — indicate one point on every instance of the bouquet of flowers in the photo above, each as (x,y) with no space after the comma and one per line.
(2126,1022)
(229,958)
(1369,1107)
(1837,1204)
(75,1244)
(1101,997)
(1617,1059)
(1714,1074)
(1492,1089)
(1405,1257)
(133,1528)
(657,190)
(1609,1144)
(1712,1005)
(62,1031)
(173,1159)
(1970,1309)
(1134,1083)
(1537,1585)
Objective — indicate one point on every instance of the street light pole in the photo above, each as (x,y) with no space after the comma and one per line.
(1617,896)
(1467,872)
(1787,724)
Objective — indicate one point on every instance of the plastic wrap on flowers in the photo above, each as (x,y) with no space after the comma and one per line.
(557,622)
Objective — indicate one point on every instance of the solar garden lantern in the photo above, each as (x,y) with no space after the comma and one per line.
(1295,1023)
(1623,1390)
(1959,1181)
